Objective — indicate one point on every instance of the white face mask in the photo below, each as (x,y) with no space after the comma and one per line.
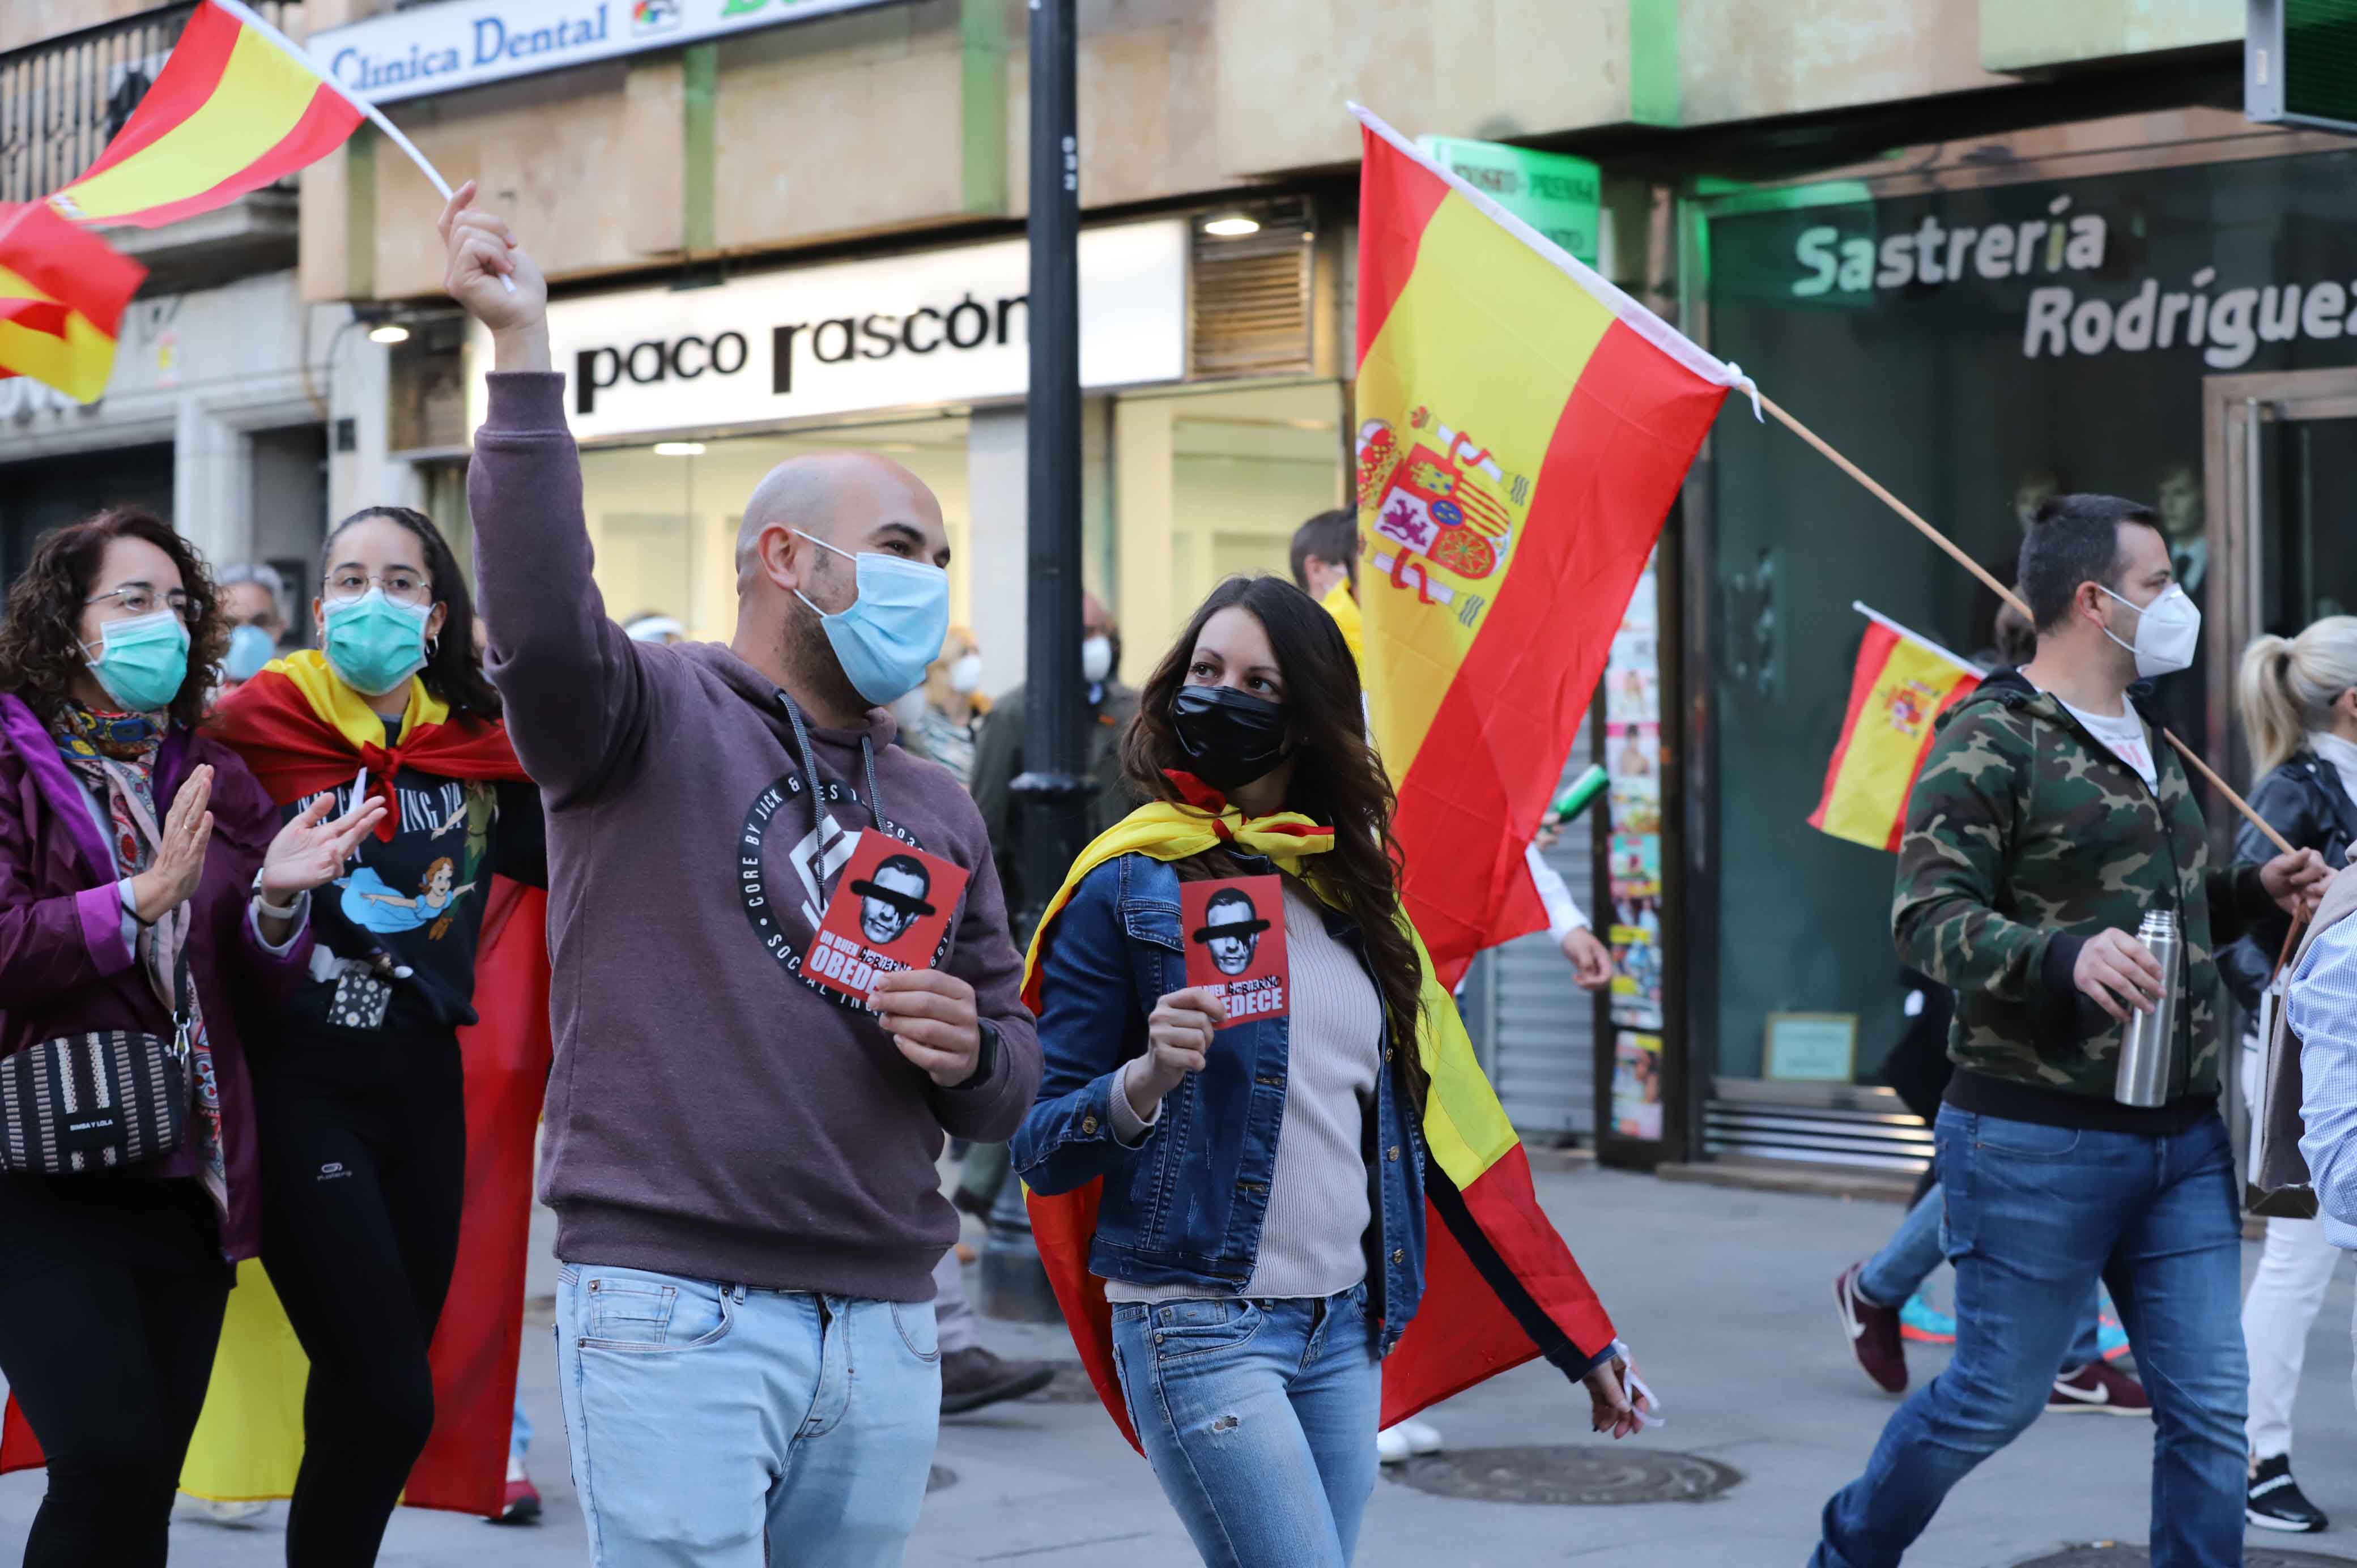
(965,674)
(2168,632)
(1096,658)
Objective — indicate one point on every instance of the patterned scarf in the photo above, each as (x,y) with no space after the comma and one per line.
(115,756)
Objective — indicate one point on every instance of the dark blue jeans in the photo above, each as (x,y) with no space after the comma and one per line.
(1914,1249)
(2035,1214)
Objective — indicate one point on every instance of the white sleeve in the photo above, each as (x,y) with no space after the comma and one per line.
(1563,916)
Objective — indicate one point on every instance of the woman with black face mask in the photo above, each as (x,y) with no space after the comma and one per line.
(1234,1213)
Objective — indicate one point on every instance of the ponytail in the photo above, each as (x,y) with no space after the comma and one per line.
(2287,687)
(2270,711)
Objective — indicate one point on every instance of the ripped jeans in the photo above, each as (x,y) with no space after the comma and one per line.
(1259,1418)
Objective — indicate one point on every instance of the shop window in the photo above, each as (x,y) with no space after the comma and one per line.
(1975,349)
(1212,485)
(663,519)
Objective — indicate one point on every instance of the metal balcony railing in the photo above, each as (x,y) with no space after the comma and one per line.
(63,99)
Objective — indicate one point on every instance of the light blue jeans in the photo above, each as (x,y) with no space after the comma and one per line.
(2035,1213)
(715,1426)
(1259,1419)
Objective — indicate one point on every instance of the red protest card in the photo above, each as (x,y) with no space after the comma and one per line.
(1234,931)
(890,912)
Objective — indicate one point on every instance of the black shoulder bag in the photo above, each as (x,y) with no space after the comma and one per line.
(101,1101)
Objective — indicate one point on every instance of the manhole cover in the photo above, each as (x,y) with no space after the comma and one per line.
(1071,1385)
(2112,1554)
(942,1478)
(1567,1475)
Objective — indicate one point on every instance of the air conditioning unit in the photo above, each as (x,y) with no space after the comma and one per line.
(2299,63)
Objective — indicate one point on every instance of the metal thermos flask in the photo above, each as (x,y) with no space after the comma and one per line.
(2148,1043)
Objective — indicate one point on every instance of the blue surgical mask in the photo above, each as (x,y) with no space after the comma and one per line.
(142,662)
(250,648)
(375,644)
(894,630)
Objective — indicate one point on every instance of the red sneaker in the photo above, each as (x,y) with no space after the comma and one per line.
(2098,1389)
(522,1505)
(1872,1332)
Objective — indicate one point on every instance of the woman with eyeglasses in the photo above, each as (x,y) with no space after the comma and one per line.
(360,1084)
(133,850)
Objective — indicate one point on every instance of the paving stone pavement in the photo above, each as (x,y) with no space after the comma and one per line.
(1726,1298)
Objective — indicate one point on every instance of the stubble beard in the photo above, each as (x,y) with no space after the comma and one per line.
(803,649)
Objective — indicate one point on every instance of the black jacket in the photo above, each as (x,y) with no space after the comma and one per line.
(999,761)
(2304,800)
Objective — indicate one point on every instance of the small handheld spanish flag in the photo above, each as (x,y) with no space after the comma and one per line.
(62,292)
(236,107)
(1903,684)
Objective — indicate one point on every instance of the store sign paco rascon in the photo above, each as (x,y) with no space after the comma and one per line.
(935,326)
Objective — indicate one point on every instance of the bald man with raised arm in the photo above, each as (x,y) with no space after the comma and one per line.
(742,1160)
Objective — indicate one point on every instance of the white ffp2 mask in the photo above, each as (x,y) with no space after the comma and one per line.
(2168,632)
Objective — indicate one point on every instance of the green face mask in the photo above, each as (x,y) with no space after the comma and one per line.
(375,644)
(143,662)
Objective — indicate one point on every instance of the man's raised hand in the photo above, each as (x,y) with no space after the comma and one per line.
(497,281)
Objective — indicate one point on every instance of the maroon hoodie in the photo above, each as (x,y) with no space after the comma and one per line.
(711,1113)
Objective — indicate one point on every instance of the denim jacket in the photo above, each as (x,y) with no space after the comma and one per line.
(1184,1207)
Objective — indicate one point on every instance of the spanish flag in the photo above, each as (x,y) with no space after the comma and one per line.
(1902,684)
(236,107)
(1499,1286)
(302,731)
(1523,429)
(62,293)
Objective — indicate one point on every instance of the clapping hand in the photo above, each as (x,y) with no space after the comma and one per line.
(179,861)
(310,850)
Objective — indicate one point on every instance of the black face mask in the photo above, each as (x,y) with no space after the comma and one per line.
(1229,737)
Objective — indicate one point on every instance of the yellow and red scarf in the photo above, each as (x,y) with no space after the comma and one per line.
(301,730)
(1500,1285)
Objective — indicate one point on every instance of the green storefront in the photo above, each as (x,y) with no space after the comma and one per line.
(2164,309)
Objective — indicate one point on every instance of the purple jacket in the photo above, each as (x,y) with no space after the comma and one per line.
(63,964)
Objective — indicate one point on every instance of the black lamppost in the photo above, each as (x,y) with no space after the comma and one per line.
(1050,790)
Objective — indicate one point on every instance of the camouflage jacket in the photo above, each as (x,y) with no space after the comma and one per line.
(2025,837)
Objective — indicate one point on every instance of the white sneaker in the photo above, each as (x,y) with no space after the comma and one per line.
(1391,1446)
(1421,1439)
(221,1512)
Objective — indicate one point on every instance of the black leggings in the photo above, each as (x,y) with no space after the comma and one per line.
(364,1164)
(112,1291)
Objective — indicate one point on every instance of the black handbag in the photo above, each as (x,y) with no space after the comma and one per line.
(105,1099)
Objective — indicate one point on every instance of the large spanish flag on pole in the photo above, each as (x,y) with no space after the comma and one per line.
(1523,429)
(62,293)
(236,107)
(1903,682)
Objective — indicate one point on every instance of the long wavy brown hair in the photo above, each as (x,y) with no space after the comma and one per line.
(1336,780)
(40,644)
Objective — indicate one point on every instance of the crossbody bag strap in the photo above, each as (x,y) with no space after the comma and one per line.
(184,1014)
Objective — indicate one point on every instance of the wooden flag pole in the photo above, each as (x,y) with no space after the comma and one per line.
(2219,785)
(2008,595)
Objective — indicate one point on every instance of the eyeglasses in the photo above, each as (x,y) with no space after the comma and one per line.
(139,599)
(400,586)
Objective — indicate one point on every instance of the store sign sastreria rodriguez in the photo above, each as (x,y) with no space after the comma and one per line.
(913,331)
